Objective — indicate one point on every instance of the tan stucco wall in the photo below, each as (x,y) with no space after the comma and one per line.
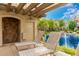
(26,25)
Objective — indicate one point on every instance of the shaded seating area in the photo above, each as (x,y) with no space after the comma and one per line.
(28,49)
(26,42)
(22,49)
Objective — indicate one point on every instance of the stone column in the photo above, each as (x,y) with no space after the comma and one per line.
(0,31)
(33,30)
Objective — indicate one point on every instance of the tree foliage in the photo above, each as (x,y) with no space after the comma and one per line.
(51,24)
(71,25)
(42,24)
(55,25)
(61,24)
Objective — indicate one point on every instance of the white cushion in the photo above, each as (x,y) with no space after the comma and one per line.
(34,52)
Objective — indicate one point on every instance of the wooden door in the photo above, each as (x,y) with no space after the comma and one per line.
(11,30)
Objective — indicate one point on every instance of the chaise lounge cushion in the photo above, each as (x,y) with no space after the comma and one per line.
(25,45)
(39,51)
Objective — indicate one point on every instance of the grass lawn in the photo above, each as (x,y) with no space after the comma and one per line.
(70,51)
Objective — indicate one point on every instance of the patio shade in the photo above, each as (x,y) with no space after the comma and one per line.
(32,9)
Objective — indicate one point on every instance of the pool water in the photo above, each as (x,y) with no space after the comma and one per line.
(69,40)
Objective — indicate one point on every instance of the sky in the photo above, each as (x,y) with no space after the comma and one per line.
(66,12)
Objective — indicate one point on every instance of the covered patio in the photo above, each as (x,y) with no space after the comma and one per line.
(27,15)
(18,24)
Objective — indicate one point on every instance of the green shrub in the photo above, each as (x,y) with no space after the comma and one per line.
(77,31)
(70,51)
(71,25)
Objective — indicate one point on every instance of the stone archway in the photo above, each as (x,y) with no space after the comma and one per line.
(10,30)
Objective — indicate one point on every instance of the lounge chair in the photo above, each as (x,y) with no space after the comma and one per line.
(39,51)
(77,50)
(31,49)
(26,50)
(53,39)
(53,42)
(24,45)
(23,49)
(39,36)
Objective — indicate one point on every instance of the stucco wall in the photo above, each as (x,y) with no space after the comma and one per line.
(26,26)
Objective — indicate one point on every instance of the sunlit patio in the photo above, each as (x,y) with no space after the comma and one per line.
(19,32)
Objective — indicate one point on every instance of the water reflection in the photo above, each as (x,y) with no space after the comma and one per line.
(69,40)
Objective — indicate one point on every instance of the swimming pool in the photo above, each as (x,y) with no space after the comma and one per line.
(69,40)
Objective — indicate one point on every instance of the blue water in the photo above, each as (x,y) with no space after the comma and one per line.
(69,40)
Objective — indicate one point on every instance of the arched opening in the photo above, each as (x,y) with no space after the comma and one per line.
(10,30)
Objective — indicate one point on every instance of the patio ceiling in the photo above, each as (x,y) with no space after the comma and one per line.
(32,9)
